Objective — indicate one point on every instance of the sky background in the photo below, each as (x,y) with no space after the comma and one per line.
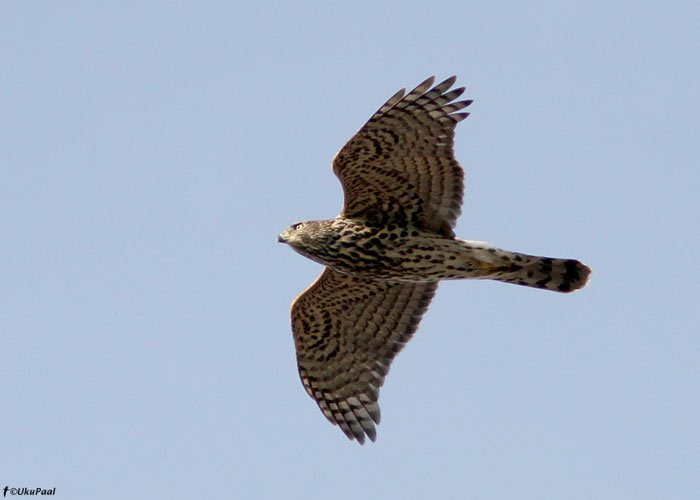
(151,153)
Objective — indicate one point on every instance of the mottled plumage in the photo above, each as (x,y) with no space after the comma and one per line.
(388,249)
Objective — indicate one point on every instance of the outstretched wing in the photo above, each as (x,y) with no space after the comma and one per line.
(347,331)
(400,166)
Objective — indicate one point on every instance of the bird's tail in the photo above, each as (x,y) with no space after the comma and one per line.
(559,275)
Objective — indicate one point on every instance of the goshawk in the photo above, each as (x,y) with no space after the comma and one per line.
(388,249)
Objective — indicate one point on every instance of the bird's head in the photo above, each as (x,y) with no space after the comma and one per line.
(306,237)
(293,234)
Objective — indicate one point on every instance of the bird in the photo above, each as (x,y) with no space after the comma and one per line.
(388,249)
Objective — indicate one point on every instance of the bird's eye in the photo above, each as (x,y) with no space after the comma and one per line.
(298,226)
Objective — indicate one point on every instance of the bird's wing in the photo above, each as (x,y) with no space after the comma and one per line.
(347,331)
(401,164)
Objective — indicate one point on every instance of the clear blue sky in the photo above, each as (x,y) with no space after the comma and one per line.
(151,153)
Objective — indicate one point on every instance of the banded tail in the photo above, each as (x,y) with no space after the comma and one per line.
(559,275)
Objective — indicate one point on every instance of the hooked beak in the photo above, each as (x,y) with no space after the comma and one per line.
(281,239)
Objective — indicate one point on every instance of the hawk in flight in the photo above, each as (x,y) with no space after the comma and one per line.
(388,249)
